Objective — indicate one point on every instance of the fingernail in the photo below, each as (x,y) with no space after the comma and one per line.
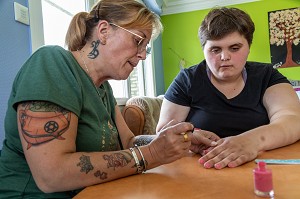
(207,165)
(231,165)
(201,161)
(218,166)
(213,143)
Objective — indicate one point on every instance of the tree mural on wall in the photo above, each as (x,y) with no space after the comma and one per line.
(284,26)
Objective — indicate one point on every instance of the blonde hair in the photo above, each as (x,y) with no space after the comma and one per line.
(128,14)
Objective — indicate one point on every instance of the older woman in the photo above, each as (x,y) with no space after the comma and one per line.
(64,130)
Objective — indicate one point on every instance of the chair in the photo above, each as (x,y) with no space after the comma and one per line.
(142,113)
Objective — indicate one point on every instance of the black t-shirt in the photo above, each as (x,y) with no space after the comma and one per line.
(212,111)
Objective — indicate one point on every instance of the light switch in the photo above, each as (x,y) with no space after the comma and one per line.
(21,13)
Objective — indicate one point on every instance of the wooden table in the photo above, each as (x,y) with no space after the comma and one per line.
(186,179)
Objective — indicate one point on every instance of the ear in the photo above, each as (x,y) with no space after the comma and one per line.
(102,31)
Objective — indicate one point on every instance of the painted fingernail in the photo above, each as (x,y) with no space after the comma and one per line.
(201,161)
(231,165)
(207,165)
(218,166)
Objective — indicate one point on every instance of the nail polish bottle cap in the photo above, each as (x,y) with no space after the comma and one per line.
(262,166)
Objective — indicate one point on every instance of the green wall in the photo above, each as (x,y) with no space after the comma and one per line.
(180,40)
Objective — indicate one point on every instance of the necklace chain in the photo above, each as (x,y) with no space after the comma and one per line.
(86,68)
(88,72)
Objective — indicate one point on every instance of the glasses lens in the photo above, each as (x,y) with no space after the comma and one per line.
(148,50)
(142,48)
(140,42)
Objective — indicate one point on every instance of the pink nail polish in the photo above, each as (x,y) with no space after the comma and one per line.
(263,185)
(207,165)
(201,161)
(217,166)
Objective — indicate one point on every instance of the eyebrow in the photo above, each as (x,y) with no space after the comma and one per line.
(142,33)
(236,44)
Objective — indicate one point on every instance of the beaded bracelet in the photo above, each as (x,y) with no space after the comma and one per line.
(144,163)
(137,162)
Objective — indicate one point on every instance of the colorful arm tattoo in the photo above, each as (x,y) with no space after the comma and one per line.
(42,122)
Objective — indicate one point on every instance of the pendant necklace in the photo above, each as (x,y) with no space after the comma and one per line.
(103,99)
(88,72)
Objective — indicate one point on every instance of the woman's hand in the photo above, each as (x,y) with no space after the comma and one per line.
(171,144)
(231,151)
(203,141)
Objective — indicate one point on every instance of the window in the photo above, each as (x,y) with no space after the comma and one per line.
(57,15)
(49,16)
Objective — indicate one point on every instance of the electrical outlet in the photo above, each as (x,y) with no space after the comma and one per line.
(21,13)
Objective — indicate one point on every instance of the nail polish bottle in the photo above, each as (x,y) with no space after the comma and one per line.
(263,185)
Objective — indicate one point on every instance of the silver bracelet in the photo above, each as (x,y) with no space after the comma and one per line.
(137,162)
(143,159)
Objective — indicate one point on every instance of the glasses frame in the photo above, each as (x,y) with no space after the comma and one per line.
(139,46)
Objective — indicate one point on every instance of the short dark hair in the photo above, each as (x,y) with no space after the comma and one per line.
(220,22)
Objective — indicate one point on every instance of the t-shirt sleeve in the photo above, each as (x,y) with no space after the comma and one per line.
(178,91)
(277,77)
(46,76)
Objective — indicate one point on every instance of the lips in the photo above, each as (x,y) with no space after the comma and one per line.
(132,64)
(226,66)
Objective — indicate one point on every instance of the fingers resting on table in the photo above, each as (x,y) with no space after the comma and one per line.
(229,152)
(176,139)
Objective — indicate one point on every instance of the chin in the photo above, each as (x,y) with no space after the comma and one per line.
(129,72)
(124,76)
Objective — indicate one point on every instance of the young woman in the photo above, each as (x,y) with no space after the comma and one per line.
(250,105)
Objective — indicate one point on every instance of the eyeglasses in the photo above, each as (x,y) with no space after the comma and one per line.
(139,42)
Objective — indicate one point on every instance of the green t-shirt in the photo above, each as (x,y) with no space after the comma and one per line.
(52,74)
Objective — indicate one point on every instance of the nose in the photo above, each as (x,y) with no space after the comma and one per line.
(225,56)
(142,54)
(143,51)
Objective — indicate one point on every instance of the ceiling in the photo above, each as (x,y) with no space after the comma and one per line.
(179,6)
